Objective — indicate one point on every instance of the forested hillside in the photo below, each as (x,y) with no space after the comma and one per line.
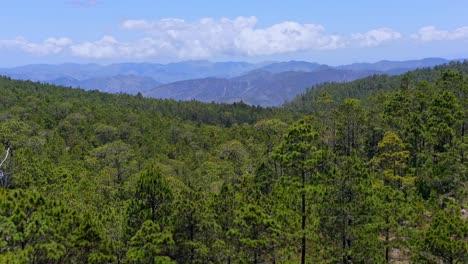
(370,87)
(258,87)
(372,171)
(265,83)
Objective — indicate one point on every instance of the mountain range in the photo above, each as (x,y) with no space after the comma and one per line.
(265,84)
(130,84)
(257,87)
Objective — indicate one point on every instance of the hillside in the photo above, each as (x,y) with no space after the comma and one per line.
(364,88)
(265,83)
(130,84)
(91,177)
(395,67)
(301,66)
(257,87)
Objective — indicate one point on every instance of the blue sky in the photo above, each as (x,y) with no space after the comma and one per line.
(332,32)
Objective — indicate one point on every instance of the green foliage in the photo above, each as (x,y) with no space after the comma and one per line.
(43,231)
(148,243)
(152,200)
(349,122)
(445,239)
(256,233)
(376,172)
(299,146)
(14,133)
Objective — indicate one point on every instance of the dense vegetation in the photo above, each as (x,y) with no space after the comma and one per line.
(367,88)
(99,178)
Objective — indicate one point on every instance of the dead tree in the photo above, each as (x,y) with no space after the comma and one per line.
(3,175)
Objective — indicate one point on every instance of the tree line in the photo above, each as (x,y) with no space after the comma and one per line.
(333,177)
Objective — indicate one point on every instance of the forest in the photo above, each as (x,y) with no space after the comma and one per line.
(370,171)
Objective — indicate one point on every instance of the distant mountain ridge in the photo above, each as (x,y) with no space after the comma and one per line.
(163,73)
(365,88)
(258,87)
(266,83)
(395,67)
(130,84)
(305,66)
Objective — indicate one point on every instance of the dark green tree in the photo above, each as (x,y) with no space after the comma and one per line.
(152,201)
(148,243)
(299,151)
(445,239)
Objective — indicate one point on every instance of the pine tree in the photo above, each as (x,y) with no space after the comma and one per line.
(300,152)
(148,243)
(445,239)
(153,199)
(394,192)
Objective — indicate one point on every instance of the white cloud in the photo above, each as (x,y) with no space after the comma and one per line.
(135,24)
(285,37)
(241,36)
(207,37)
(105,47)
(47,47)
(109,47)
(197,39)
(431,33)
(375,37)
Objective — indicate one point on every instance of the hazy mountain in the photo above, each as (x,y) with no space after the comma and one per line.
(305,66)
(258,87)
(267,83)
(130,84)
(46,72)
(163,73)
(394,67)
(172,72)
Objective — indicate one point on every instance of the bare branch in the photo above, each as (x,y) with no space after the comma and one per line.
(4,176)
(6,156)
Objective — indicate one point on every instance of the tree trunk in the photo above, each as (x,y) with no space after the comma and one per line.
(387,251)
(192,238)
(303,197)
(462,154)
